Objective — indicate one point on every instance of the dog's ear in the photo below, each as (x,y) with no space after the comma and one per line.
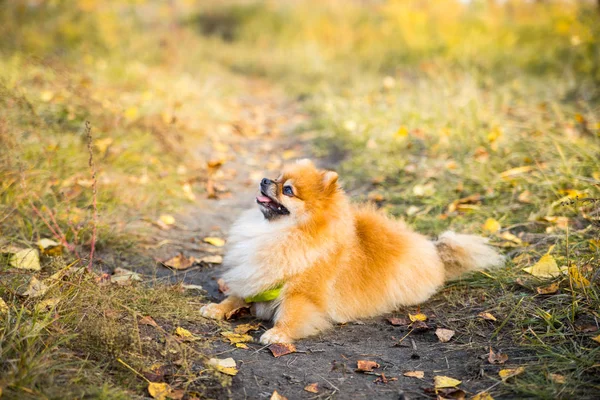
(330,179)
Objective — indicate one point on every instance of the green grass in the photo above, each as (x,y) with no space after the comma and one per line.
(416,104)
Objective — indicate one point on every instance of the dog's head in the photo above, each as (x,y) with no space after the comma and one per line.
(301,192)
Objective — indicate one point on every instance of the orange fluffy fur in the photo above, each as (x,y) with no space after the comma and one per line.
(337,262)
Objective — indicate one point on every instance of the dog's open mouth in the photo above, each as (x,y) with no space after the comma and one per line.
(271,204)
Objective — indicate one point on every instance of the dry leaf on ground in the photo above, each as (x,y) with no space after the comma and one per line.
(36,288)
(312,388)
(49,247)
(417,317)
(515,171)
(398,321)
(577,279)
(487,316)
(224,365)
(23,258)
(384,379)
(376,197)
(236,337)
(426,190)
(415,374)
(491,225)
(238,313)
(419,326)
(445,382)
(450,393)
(510,372)
(277,396)
(122,276)
(366,366)
(558,378)
(189,286)
(469,200)
(281,349)
(165,221)
(546,267)
(245,328)
(215,241)
(482,396)
(155,372)
(497,358)
(47,305)
(3,307)
(159,391)
(216,259)
(550,289)
(148,320)
(596,339)
(444,335)
(184,334)
(179,262)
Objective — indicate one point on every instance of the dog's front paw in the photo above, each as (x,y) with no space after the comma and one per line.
(275,335)
(213,310)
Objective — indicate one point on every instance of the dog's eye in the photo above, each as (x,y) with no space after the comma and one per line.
(287,190)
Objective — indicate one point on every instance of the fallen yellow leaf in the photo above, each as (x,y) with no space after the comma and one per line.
(488,316)
(491,225)
(558,378)
(424,190)
(225,365)
(417,317)
(482,396)
(289,154)
(312,388)
(159,391)
(546,267)
(277,396)
(402,132)
(577,279)
(47,305)
(131,113)
(167,219)
(241,346)
(180,262)
(366,366)
(215,241)
(184,333)
(550,289)
(415,374)
(236,337)
(24,259)
(596,338)
(245,328)
(3,307)
(515,171)
(49,247)
(36,288)
(509,373)
(445,382)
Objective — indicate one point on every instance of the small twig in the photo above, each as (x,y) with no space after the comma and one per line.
(88,130)
(134,371)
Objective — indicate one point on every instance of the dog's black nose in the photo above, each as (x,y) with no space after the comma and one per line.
(265,181)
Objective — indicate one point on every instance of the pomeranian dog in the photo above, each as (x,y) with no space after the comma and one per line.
(309,258)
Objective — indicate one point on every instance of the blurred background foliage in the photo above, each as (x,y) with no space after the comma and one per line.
(445,112)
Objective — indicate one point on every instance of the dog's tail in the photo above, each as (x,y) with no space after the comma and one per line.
(466,253)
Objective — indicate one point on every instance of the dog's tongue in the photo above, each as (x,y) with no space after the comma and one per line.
(263,199)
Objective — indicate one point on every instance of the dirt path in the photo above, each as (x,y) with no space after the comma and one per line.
(330,358)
